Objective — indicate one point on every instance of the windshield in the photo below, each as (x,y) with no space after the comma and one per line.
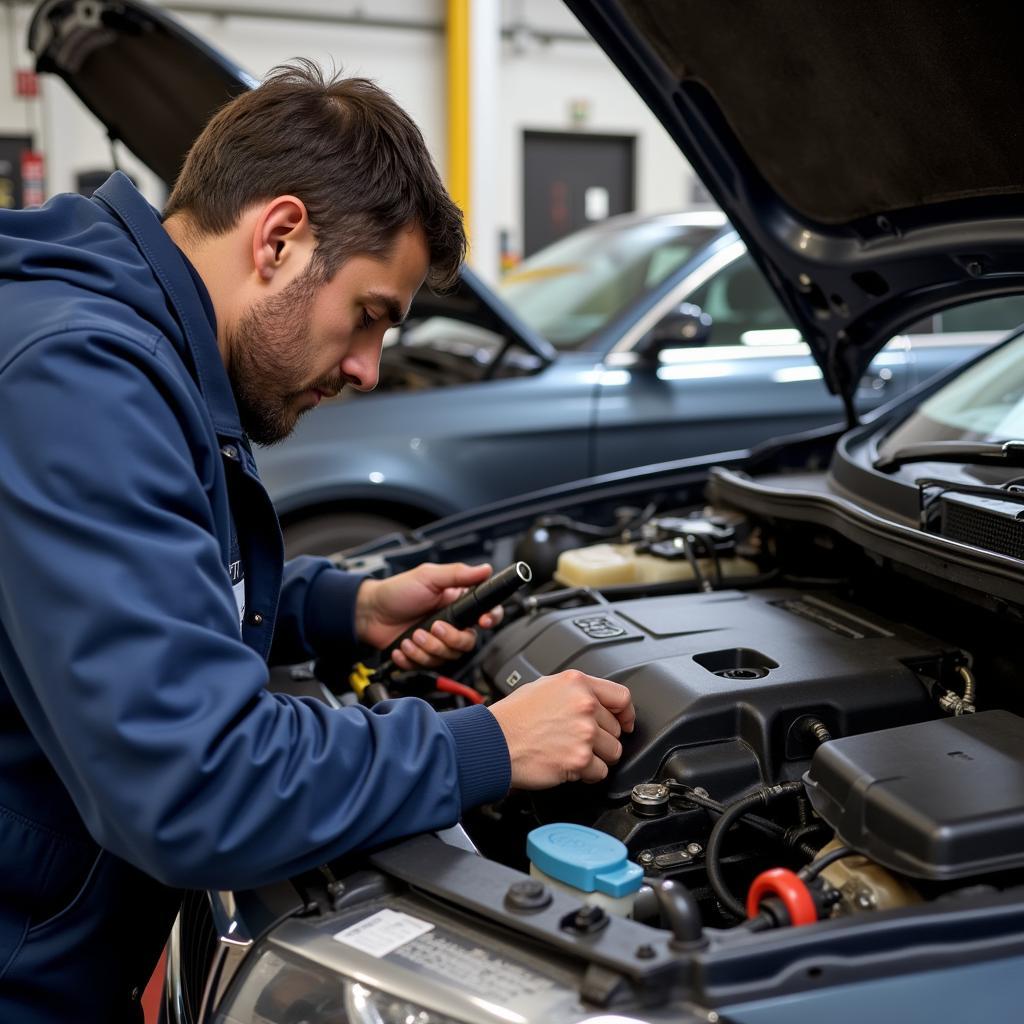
(570,290)
(984,403)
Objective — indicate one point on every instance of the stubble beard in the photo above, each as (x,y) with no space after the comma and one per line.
(268,355)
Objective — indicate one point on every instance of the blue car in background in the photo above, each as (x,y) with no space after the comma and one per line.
(638,340)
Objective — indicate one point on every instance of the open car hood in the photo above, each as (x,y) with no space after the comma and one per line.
(151,82)
(869,153)
(154,85)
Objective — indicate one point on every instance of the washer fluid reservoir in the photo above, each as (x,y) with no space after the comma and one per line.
(588,864)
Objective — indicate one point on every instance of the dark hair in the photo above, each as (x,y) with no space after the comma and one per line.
(344,147)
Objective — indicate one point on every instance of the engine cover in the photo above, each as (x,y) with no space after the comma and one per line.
(722,682)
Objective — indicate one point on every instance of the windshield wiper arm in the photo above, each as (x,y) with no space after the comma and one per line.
(1003,453)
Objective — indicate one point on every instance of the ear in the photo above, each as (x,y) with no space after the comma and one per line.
(282,237)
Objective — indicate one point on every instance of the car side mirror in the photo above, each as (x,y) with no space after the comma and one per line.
(688,326)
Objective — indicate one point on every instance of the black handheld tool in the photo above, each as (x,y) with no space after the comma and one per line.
(464,611)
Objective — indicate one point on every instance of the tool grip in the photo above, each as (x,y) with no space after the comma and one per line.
(466,610)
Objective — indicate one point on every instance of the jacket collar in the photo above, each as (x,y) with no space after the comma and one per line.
(183,291)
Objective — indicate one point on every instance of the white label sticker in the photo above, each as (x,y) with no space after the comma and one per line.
(383,932)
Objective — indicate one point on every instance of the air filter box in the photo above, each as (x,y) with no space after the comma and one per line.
(937,800)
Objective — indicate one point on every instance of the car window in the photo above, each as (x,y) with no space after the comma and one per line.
(742,306)
(984,403)
(1002,314)
(571,289)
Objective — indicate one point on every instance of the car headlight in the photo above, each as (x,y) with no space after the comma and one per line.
(276,990)
(365,1006)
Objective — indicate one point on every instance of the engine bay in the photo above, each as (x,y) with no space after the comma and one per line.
(824,789)
(774,667)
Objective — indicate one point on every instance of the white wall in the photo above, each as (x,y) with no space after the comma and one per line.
(537,82)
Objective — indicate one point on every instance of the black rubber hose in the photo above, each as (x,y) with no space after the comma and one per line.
(812,870)
(679,911)
(769,828)
(729,816)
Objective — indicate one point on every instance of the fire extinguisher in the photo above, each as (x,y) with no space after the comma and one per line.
(32,178)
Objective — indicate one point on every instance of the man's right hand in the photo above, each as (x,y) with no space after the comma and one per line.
(564,728)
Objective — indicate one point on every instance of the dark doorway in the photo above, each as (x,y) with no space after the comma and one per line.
(11,184)
(571,180)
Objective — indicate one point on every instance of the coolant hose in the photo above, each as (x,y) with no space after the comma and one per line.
(680,912)
(730,815)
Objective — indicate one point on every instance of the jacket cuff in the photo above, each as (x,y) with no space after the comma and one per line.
(481,753)
(331,610)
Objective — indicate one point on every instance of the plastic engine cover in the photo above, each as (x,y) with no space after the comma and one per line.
(721,680)
(937,800)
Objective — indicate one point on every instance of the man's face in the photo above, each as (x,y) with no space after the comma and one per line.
(292,349)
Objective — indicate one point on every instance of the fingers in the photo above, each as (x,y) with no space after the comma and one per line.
(596,771)
(607,747)
(427,650)
(441,576)
(616,698)
(607,721)
(491,619)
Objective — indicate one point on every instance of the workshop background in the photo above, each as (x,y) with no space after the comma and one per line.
(532,127)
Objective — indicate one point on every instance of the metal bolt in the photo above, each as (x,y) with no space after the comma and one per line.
(694,849)
(805,281)
(529,894)
(646,857)
(587,920)
(865,900)
(645,952)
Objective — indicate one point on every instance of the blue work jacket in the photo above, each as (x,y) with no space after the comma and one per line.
(140,751)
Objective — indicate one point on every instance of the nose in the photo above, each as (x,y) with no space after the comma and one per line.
(361,365)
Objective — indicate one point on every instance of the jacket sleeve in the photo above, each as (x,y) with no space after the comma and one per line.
(119,642)
(316,613)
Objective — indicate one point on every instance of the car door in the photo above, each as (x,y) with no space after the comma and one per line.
(752,379)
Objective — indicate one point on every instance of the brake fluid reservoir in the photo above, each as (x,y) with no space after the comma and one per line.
(606,565)
(588,864)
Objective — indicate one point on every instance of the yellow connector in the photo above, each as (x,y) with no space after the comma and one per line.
(360,678)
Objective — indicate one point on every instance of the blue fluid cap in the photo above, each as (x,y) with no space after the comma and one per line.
(584,858)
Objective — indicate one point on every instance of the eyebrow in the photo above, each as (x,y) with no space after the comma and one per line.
(392,308)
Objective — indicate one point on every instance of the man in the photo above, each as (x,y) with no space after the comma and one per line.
(141,584)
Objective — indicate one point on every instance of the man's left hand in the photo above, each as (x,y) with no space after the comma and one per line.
(387,608)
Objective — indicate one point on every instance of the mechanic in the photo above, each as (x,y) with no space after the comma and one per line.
(142,586)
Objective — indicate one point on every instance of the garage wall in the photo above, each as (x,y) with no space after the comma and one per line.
(541,82)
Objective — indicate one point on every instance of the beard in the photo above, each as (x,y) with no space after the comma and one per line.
(268,362)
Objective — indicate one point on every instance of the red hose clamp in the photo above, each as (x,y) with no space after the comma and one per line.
(789,888)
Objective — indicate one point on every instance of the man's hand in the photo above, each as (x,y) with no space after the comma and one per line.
(564,728)
(387,608)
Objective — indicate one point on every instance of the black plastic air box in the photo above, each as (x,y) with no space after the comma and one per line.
(938,800)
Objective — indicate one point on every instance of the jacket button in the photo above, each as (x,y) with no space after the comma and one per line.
(256,618)
(229,451)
